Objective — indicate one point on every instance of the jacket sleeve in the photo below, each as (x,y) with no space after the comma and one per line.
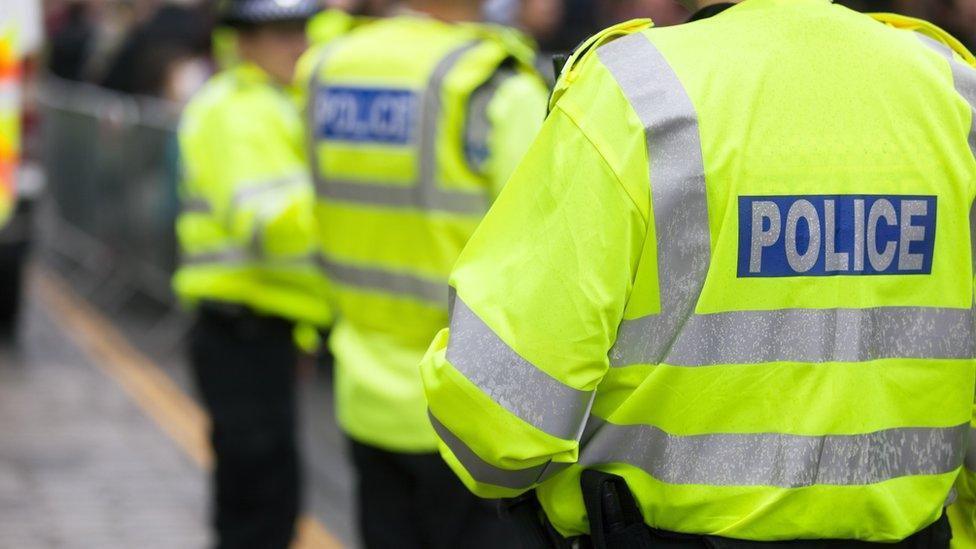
(244,161)
(537,296)
(515,116)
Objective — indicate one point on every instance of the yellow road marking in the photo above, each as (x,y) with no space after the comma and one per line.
(175,412)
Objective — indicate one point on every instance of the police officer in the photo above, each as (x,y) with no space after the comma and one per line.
(416,122)
(247,239)
(728,293)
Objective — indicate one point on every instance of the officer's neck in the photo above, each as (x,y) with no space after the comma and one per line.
(452,11)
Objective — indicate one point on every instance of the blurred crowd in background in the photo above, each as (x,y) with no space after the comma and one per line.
(162,48)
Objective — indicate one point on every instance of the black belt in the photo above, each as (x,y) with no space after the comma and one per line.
(242,319)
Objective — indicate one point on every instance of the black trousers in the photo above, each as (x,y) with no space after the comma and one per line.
(13,257)
(245,368)
(411,501)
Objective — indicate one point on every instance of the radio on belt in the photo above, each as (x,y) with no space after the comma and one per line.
(825,235)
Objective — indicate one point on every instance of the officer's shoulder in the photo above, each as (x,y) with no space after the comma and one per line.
(328,25)
(221,99)
(583,55)
(921,27)
(512,42)
(211,95)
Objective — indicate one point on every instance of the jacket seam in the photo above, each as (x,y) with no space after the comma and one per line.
(610,168)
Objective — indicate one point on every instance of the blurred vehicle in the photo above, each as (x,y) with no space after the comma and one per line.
(20,183)
(16,237)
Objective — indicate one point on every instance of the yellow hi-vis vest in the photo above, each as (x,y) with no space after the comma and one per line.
(247,231)
(735,269)
(9,120)
(330,24)
(415,124)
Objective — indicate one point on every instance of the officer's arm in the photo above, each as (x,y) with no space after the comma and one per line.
(540,289)
(515,115)
(247,168)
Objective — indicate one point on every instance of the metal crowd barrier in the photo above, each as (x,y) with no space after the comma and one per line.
(111,163)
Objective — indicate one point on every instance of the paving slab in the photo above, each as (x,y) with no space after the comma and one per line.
(83,465)
(80,464)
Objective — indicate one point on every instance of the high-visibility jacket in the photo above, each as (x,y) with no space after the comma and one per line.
(415,125)
(330,24)
(9,120)
(735,269)
(247,230)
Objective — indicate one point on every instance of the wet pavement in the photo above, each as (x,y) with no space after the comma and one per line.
(102,444)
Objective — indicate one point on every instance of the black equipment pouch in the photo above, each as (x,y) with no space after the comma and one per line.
(615,520)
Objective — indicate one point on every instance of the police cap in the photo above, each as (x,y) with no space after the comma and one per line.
(248,13)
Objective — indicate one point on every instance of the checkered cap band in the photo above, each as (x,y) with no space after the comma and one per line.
(268,11)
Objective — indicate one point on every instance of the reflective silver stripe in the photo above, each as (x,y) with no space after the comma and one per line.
(964,78)
(397,283)
(248,192)
(225,257)
(515,384)
(677,178)
(433,110)
(311,107)
(481,470)
(477,131)
(401,196)
(951,498)
(802,335)
(237,257)
(971,451)
(774,459)
(255,189)
(425,193)
(195,205)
